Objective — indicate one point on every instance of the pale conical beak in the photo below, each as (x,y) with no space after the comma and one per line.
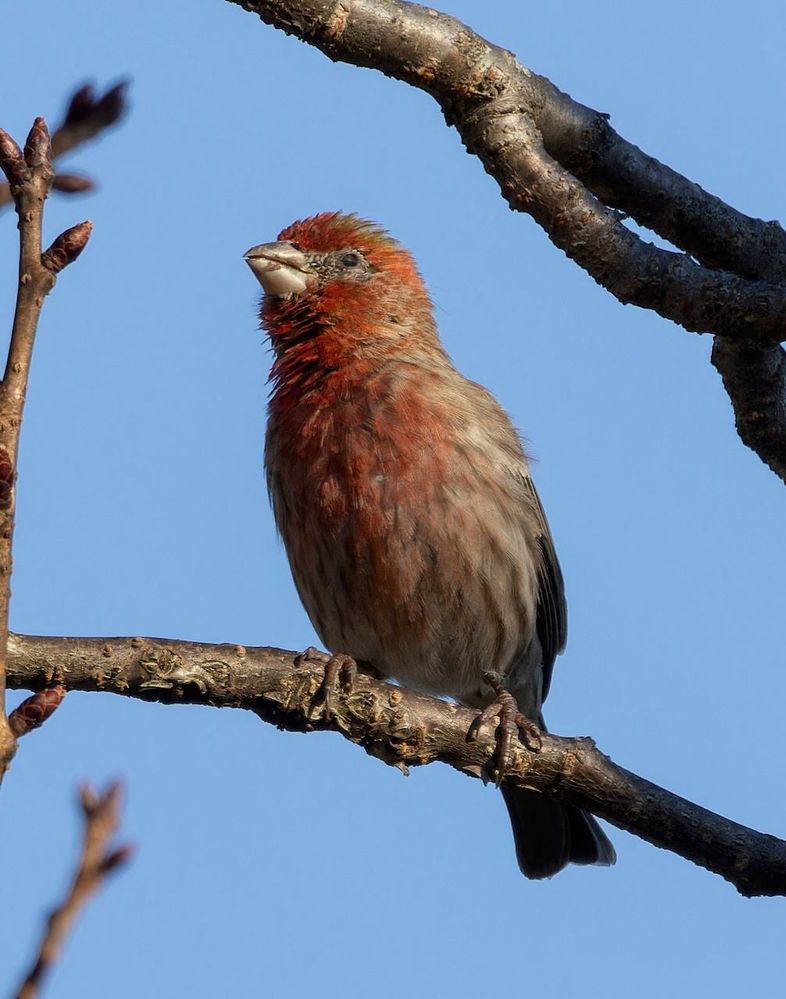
(280,268)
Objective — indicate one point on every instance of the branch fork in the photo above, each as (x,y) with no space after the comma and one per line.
(564,164)
(98,859)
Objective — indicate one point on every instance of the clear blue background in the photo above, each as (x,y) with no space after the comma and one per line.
(287,865)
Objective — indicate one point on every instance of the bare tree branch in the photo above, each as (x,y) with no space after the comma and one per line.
(563,163)
(102,816)
(29,176)
(401,728)
(86,118)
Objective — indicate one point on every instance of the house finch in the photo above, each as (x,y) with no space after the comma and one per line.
(401,490)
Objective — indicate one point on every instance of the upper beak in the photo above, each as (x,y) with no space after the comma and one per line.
(280,268)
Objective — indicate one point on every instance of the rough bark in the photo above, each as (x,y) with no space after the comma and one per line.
(401,728)
(563,164)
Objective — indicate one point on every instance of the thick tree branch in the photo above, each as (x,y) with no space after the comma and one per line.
(400,728)
(29,174)
(565,165)
(101,814)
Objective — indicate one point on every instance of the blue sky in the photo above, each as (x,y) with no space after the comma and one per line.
(279,864)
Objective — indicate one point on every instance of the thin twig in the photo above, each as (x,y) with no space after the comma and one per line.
(403,729)
(86,118)
(29,176)
(102,816)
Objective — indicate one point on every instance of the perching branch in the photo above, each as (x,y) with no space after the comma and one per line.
(401,728)
(562,163)
(102,816)
(86,118)
(30,177)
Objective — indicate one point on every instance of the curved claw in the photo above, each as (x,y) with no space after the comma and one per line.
(511,723)
(338,668)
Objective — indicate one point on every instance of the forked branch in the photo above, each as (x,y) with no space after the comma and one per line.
(101,813)
(562,163)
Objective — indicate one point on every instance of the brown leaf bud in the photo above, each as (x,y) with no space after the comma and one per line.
(80,105)
(72,183)
(113,105)
(11,159)
(37,146)
(118,857)
(35,710)
(67,247)
(87,115)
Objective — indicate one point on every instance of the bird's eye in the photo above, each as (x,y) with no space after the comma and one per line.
(350,259)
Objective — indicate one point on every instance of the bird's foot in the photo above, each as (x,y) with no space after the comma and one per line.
(511,723)
(338,669)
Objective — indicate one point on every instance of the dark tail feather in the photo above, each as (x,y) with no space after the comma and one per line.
(549,834)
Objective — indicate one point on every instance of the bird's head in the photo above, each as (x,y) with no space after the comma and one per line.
(341,277)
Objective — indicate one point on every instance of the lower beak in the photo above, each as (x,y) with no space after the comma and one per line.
(280,268)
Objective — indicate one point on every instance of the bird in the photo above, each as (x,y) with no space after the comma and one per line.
(416,539)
